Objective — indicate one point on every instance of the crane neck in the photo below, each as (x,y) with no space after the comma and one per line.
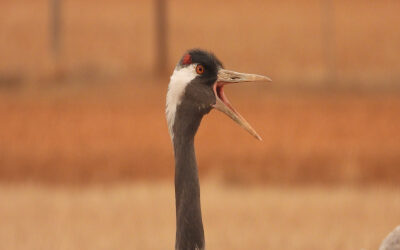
(189,225)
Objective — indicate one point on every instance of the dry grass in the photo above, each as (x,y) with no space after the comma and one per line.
(308,138)
(142,216)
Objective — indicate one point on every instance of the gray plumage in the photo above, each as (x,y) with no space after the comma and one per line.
(196,87)
(392,241)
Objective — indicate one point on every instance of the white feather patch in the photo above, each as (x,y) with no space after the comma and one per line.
(179,80)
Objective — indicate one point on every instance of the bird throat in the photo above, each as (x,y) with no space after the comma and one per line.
(189,225)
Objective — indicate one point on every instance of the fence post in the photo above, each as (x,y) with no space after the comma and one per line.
(328,40)
(161,55)
(55,28)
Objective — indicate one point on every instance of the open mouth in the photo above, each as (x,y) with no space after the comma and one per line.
(222,103)
(219,92)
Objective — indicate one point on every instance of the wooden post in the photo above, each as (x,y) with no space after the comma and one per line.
(55,28)
(328,39)
(161,53)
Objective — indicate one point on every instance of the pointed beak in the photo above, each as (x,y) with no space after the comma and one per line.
(222,103)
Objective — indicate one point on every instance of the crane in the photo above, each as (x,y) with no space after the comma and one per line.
(195,88)
(392,241)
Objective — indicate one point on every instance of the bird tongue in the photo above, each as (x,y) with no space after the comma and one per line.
(223,105)
(221,95)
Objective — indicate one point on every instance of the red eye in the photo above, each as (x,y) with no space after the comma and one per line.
(199,69)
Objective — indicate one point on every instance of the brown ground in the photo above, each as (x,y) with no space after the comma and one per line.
(141,216)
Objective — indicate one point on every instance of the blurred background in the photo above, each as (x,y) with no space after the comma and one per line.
(86,161)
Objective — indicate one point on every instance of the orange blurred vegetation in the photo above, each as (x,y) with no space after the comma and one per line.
(308,138)
(98,114)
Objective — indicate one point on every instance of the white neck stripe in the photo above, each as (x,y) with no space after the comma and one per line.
(176,88)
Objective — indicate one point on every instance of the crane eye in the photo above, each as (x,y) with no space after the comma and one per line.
(199,69)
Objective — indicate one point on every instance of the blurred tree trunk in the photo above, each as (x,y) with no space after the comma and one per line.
(161,53)
(55,38)
(328,40)
(55,27)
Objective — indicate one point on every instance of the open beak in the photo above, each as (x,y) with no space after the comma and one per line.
(223,104)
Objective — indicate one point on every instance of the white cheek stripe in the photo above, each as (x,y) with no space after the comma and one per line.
(179,80)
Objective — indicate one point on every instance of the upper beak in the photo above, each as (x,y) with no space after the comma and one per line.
(222,103)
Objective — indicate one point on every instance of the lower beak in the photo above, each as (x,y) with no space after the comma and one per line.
(222,102)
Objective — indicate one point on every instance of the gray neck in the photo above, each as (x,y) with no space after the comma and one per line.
(189,225)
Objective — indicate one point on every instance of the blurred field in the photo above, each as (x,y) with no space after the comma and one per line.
(83,137)
(97,114)
(284,39)
(142,216)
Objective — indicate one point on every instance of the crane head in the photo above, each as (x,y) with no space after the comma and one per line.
(198,83)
